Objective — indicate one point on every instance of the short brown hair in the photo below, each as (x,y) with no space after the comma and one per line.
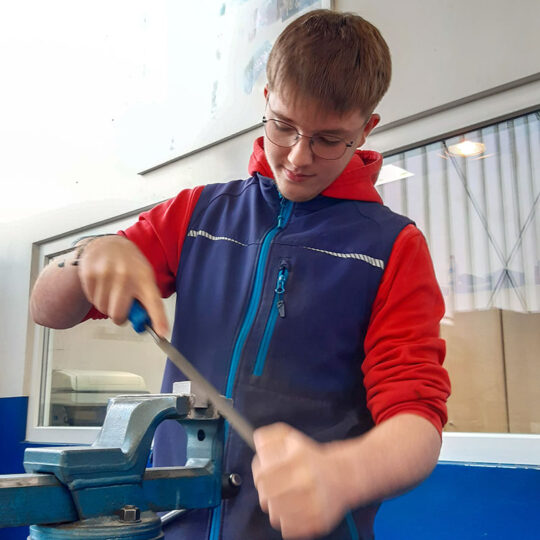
(338,59)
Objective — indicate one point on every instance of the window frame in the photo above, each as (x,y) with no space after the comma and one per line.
(42,252)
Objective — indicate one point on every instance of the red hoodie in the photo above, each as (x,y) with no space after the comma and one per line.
(404,354)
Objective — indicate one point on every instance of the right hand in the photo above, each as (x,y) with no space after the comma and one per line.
(113,272)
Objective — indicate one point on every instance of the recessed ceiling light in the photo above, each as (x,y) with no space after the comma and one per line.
(466,148)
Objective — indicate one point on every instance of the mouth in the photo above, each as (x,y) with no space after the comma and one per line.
(296,177)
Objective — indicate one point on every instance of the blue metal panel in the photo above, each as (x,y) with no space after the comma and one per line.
(466,501)
(12,434)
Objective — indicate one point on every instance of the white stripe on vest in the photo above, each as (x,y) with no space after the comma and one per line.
(359,256)
(194,234)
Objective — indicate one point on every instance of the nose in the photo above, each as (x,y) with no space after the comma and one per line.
(301,154)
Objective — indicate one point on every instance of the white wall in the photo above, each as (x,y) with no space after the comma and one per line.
(70,68)
(447,50)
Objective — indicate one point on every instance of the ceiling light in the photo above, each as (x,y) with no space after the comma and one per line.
(390,173)
(467,148)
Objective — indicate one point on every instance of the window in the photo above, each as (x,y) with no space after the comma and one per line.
(481,219)
(80,368)
(476,198)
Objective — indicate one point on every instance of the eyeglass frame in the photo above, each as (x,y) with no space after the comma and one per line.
(265,120)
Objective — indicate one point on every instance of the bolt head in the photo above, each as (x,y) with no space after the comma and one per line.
(235,480)
(130,513)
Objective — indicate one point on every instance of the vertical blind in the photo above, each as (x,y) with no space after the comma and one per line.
(479,214)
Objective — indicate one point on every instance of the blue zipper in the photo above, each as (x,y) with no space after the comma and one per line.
(285,210)
(278,308)
(283,217)
(216,522)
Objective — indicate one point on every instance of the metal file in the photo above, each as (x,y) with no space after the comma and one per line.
(141,322)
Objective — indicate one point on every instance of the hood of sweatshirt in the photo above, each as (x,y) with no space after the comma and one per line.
(356,182)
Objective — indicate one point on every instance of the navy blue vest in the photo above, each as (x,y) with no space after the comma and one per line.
(274,300)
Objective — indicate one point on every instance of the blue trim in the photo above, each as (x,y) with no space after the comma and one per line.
(285,211)
(283,217)
(353,531)
(283,274)
(216,522)
(265,342)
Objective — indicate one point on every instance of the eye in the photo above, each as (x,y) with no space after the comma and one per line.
(284,127)
(327,140)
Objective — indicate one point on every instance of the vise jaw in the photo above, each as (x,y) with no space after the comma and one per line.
(106,480)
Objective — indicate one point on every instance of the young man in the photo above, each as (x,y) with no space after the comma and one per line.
(299,295)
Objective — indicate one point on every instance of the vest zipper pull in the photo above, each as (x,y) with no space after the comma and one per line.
(280,290)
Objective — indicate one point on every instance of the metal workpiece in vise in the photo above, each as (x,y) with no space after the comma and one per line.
(105,491)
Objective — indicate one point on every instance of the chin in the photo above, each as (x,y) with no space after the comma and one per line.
(294,191)
(296,195)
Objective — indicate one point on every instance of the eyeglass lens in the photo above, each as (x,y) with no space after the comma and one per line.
(285,135)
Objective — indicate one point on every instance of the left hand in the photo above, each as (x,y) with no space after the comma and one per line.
(297,482)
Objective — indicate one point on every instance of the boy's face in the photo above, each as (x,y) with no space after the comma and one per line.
(300,175)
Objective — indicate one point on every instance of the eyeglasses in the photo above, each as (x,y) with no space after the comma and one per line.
(323,146)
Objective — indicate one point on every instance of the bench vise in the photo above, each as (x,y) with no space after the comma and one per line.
(104,490)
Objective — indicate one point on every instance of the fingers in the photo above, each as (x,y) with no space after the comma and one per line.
(153,304)
(271,442)
(291,473)
(113,272)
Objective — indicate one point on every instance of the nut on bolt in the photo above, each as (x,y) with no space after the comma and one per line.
(130,513)
(230,485)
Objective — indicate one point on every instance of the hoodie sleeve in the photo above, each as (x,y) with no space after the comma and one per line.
(402,369)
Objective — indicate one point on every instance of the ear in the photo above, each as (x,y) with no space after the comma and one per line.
(265,92)
(374,119)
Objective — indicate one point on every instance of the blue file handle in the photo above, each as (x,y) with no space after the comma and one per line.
(139,317)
